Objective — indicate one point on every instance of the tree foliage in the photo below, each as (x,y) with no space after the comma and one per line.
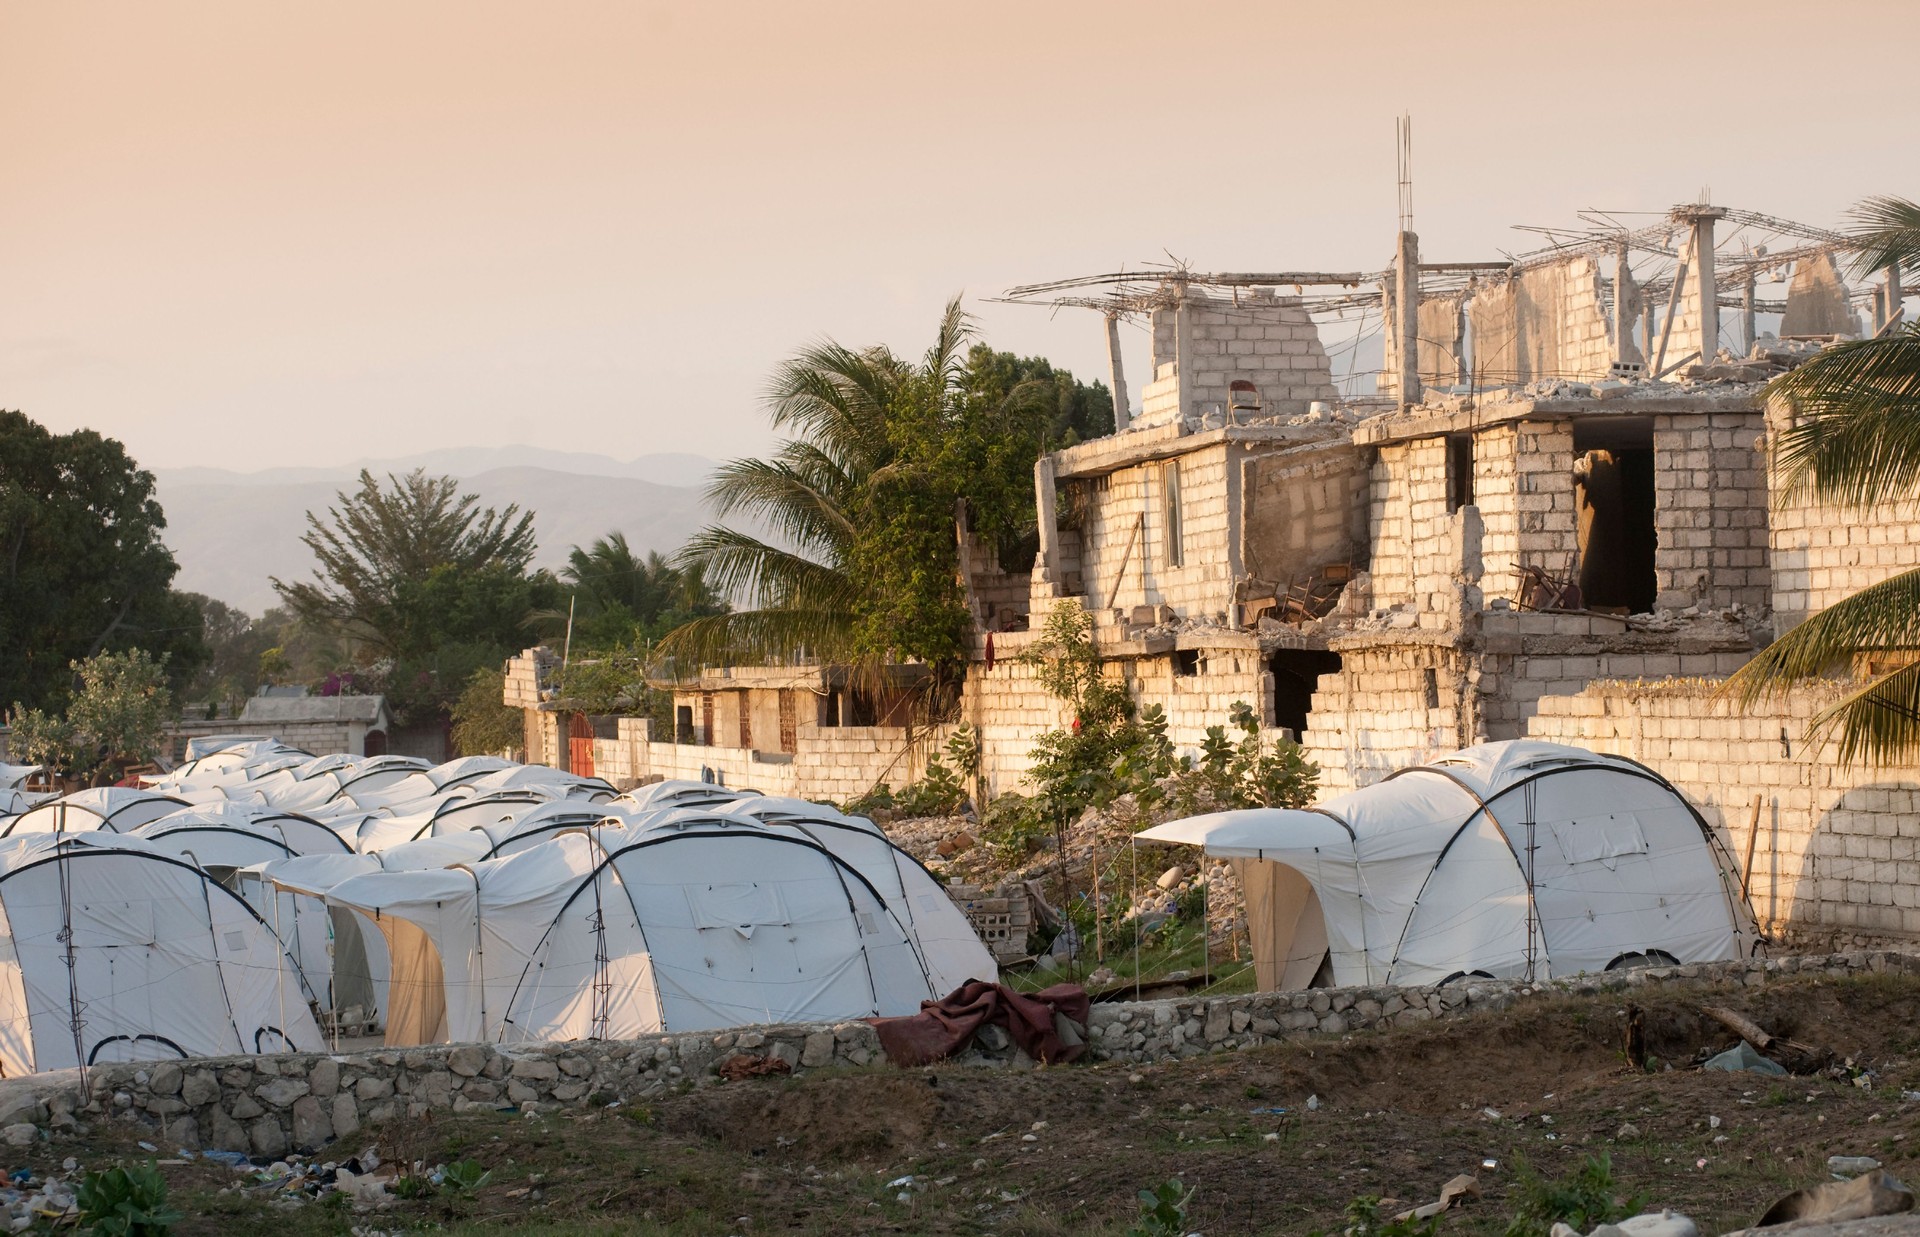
(390,555)
(621,596)
(1854,443)
(421,587)
(483,723)
(82,566)
(861,565)
(117,717)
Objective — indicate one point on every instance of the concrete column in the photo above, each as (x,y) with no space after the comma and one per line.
(1121,417)
(1047,562)
(1749,317)
(1895,295)
(1702,219)
(1406,313)
(1623,298)
(1183,352)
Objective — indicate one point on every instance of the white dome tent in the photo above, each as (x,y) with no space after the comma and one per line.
(114,951)
(617,933)
(1518,859)
(115,809)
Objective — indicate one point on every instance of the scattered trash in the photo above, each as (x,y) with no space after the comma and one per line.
(1742,1057)
(1460,1187)
(1876,1193)
(1713,1123)
(1313,1103)
(1844,1167)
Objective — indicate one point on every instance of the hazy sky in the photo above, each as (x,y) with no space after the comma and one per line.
(255,234)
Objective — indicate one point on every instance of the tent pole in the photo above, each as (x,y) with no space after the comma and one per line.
(1133,844)
(1206,922)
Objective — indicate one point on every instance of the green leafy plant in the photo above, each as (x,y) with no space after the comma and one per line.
(880,798)
(1247,771)
(1364,1220)
(1163,1211)
(939,794)
(117,717)
(1583,1199)
(125,1201)
(465,1176)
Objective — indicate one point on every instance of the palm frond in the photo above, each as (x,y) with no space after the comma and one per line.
(1879,723)
(784,500)
(1887,230)
(1883,617)
(769,634)
(1856,440)
(741,565)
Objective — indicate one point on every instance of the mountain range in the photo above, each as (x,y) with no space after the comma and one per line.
(231,531)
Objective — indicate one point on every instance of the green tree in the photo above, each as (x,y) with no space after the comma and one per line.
(117,717)
(1855,444)
(861,566)
(388,552)
(622,596)
(82,566)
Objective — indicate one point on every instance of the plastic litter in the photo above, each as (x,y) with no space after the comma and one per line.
(1742,1057)
(1844,1167)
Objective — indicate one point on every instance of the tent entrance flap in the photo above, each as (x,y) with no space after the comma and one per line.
(1285,925)
(416,988)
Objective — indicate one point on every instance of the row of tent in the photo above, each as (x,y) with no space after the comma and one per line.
(222,906)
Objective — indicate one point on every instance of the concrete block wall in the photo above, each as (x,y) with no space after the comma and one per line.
(1406,519)
(525,675)
(1123,542)
(833,763)
(1547,536)
(1496,492)
(1838,848)
(1268,341)
(1391,705)
(1710,510)
(1303,510)
(1819,555)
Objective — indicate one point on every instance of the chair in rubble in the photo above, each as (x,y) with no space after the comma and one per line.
(1243,401)
(1540,591)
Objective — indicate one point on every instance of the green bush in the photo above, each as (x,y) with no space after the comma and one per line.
(1163,1211)
(125,1201)
(1584,1199)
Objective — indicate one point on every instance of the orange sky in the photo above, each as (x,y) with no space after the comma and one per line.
(252,234)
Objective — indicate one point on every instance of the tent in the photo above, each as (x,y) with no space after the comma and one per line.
(113,951)
(115,809)
(1518,859)
(698,924)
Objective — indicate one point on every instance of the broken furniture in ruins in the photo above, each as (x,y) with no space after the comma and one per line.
(1540,591)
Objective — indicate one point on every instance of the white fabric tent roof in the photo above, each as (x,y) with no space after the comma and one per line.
(165,962)
(1508,859)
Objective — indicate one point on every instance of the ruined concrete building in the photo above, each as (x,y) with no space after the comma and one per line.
(1551,516)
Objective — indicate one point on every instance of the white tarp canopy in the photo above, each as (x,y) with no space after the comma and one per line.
(1513,859)
(113,951)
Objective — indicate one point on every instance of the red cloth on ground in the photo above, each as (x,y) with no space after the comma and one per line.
(947,1026)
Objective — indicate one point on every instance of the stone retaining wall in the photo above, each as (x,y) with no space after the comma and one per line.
(269,1105)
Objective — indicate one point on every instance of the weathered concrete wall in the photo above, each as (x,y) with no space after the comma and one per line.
(1269,342)
(1126,552)
(1394,702)
(268,1105)
(1303,510)
(1548,322)
(832,763)
(1710,510)
(1838,853)
(1820,555)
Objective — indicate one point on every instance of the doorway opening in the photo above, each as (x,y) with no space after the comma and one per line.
(1296,672)
(1614,502)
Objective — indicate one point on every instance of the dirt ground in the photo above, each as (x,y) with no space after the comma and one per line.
(1064,1150)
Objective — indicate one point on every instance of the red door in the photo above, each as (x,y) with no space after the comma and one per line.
(580,745)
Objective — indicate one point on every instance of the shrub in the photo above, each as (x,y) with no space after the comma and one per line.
(1583,1199)
(125,1201)
(1163,1211)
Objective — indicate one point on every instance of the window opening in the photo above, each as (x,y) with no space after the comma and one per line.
(1459,472)
(1170,488)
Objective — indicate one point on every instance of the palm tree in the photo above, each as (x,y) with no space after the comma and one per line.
(1855,444)
(847,411)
